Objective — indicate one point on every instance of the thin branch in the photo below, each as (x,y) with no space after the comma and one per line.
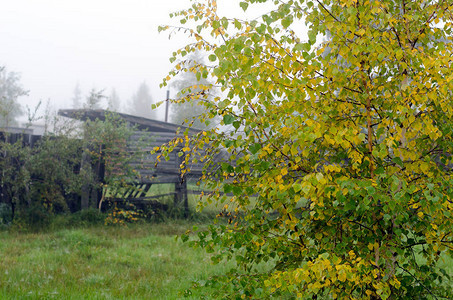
(416,279)
(360,224)
(327,11)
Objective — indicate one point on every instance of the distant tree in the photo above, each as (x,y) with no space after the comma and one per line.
(10,90)
(94,99)
(77,97)
(190,109)
(113,101)
(141,102)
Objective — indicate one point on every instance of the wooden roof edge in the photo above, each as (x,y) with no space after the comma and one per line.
(92,114)
(14,129)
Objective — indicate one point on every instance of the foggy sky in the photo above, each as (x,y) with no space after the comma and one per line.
(100,44)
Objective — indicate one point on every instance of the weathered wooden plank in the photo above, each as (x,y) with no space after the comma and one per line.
(157,134)
(160,180)
(145,190)
(150,138)
(143,203)
(141,199)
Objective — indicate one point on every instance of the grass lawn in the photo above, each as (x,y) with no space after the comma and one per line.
(141,261)
(136,262)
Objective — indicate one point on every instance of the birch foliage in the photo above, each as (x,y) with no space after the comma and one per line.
(339,149)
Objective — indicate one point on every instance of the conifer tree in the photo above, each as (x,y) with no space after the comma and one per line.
(141,102)
(188,110)
(10,91)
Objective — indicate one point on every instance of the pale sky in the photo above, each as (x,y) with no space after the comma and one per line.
(102,44)
(54,44)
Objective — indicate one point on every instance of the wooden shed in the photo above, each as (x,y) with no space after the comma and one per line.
(166,172)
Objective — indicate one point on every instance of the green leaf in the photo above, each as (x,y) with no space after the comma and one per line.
(244,5)
(254,148)
(286,22)
(267,19)
(227,188)
(237,24)
(229,143)
(227,168)
(225,23)
(228,119)
(312,36)
(261,29)
(398,161)
(298,47)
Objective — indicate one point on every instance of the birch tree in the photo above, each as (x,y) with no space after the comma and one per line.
(340,160)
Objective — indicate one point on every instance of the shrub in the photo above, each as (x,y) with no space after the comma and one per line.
(6,214)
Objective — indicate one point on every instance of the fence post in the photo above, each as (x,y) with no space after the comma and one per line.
(181,188)
(184,195)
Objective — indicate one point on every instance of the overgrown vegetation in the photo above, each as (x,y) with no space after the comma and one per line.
(40,181)
(60,170)
(344,136)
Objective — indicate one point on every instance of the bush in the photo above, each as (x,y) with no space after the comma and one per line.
(35,217)
(89,216)
(49,175)
(6,214)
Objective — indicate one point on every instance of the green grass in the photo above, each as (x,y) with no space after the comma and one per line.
(143,261)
